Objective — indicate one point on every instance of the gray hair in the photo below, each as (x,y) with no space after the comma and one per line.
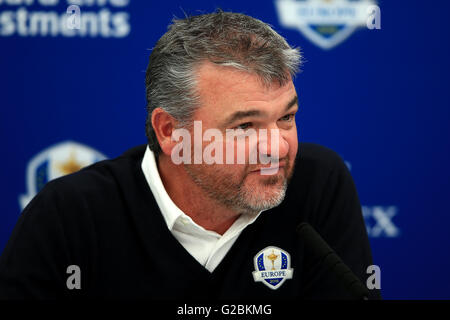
(223,38)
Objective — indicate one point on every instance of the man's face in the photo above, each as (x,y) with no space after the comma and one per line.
(232,99)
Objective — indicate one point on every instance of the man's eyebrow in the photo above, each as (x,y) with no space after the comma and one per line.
(292,103)
(254,113)
(242,114)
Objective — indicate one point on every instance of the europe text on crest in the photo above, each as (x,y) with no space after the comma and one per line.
(272,267)
(54,162)
(326,23)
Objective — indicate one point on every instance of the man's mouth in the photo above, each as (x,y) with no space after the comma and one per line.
(270,170)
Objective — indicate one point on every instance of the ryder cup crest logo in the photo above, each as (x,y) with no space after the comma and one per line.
(272,267)
(56,161)
(326,23)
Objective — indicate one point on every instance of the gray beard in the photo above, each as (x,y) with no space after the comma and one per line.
(235,195)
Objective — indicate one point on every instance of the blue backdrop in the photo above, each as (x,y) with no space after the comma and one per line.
(379,97)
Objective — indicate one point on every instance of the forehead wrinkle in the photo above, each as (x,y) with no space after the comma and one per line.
(225,86)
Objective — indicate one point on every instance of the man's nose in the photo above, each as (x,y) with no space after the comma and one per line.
(272,144)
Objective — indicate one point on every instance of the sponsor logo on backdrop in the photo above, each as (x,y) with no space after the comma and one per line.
(327,23)
(56,161)
(65,18)
(378,219)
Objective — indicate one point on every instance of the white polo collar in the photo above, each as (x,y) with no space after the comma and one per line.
(174,217)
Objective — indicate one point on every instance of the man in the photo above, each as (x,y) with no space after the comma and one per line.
(183,217)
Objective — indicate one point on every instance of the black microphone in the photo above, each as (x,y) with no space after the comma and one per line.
(331,260)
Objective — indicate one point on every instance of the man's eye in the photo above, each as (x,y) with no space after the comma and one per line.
(244,126)
(288,117)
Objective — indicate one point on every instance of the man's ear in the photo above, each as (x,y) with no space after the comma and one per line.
(163,125)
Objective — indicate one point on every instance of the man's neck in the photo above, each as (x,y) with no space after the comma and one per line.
(192,200)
